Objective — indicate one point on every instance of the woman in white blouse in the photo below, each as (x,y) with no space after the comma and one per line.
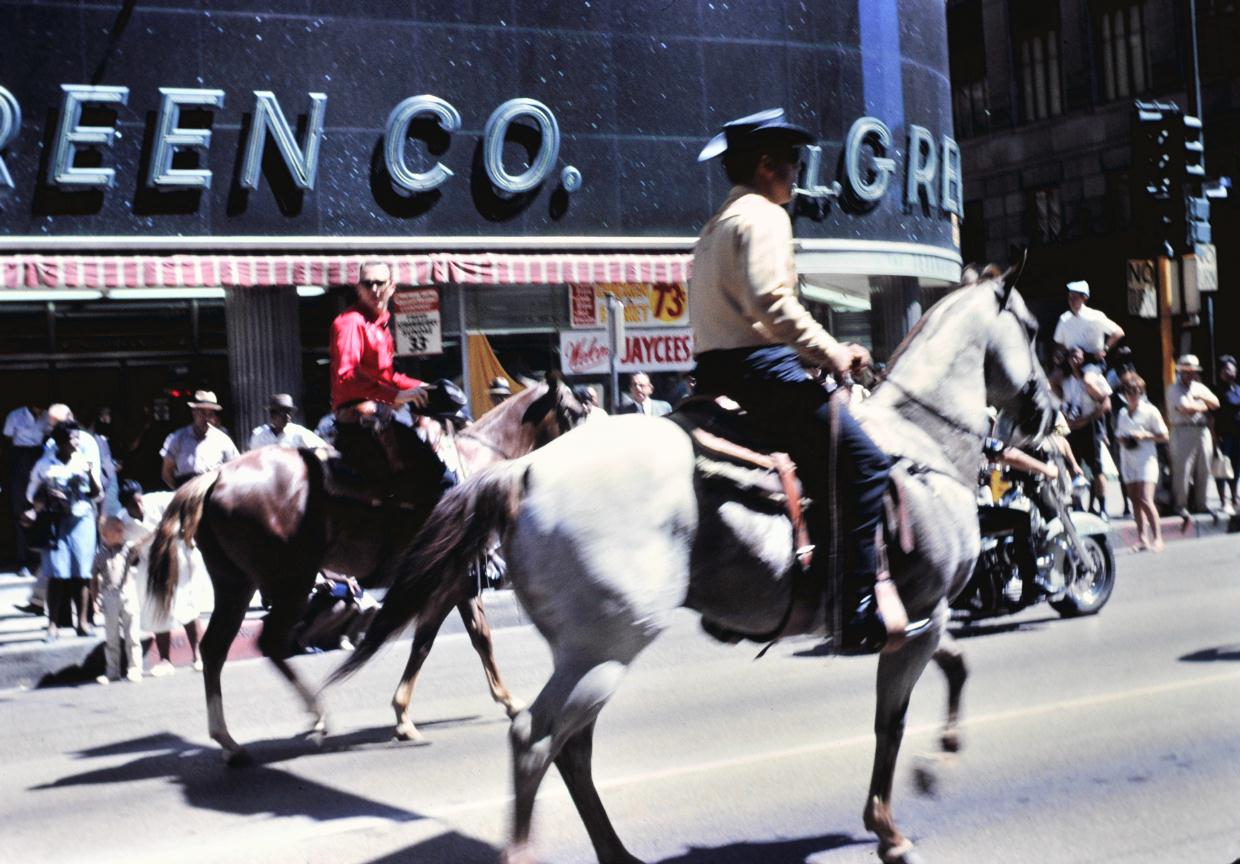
(1139,428)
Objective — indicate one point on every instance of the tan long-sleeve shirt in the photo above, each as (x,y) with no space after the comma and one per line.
(744,288)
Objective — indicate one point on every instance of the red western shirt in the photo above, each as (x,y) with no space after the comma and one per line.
(362,367)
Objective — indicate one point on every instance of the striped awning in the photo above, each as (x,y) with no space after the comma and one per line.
(104,272)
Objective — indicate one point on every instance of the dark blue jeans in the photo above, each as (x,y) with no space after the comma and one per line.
(792,411)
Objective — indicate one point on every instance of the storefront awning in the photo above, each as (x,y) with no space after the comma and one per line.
(105,272)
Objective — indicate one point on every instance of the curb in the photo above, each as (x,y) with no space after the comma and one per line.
(75,660)
(1199,526)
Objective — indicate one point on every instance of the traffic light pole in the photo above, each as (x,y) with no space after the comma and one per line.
(1194,108)
(1166,337)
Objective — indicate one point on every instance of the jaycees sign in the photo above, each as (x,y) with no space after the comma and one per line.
(584,352)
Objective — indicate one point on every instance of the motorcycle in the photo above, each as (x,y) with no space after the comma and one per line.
(1035,548)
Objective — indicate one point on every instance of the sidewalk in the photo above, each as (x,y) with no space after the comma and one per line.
(27,661)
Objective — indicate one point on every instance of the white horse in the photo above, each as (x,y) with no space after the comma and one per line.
(606,533)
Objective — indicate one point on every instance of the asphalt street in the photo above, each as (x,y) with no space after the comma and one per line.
(1107,739)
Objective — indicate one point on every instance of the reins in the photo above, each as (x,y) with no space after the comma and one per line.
(495,448)
(955,424)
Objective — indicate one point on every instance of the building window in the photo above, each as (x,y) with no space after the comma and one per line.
(1121,34)
(968,68)
(973,233)
(1039,75)
(1045,215)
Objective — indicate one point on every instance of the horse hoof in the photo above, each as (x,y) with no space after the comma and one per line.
(410,733)
(238,758)
(950,742)
(926,779)
(517,855)
(905,853)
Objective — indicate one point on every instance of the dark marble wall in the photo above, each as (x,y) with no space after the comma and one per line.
(636,85)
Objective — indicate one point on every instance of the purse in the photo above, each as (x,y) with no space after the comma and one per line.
(1221,467)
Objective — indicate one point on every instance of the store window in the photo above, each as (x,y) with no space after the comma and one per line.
(970,103)
(1122,51)
(1045,215)
(1041,91)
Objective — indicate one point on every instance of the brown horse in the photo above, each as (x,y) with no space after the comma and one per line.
(267,520)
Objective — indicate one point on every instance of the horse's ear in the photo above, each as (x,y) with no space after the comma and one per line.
(1011,277)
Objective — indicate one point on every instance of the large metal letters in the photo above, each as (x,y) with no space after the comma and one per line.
(169,137)
(10,125)
(70,135)
(874,132)
(397,128)
(493,146)
(932,168)
(923,162)
(302,160)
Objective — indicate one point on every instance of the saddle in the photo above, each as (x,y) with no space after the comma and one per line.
(379,464)
(732,454)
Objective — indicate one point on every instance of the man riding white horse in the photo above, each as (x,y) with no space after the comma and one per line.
(754,341)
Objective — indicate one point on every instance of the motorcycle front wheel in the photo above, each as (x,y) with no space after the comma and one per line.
(1087,592)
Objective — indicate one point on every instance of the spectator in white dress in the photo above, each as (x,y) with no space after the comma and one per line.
(193,595)
(1139,428)
(280,428)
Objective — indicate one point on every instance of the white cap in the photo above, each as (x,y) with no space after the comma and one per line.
(1080,287)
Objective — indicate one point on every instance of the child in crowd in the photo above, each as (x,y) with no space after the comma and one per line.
(114,583)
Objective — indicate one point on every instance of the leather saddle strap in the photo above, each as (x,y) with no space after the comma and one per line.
(807,589)
(788,479)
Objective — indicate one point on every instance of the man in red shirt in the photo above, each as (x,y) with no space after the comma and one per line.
(365,385)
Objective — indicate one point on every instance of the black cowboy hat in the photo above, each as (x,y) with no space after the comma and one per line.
(747,132)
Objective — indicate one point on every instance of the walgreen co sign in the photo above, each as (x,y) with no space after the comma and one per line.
(557,120)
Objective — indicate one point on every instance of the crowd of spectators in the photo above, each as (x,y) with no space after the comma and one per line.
(82,525)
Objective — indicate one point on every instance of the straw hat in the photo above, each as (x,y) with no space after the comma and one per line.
(205,399)
(1188,363)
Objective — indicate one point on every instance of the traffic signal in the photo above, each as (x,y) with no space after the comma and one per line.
(1196,205)
(1154,142)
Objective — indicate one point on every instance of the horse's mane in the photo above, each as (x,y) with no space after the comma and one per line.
(969,278)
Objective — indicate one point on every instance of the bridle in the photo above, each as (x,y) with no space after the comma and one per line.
(1028,388)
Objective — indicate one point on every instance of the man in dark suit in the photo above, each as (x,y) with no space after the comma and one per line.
(638,401)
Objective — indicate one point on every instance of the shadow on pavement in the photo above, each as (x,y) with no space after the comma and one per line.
(251,790)
(772,852)
(958,629)
(450,848)
(454,848)
(969,630)
(1211,655)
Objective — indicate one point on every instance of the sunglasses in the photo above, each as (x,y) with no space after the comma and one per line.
(373,283)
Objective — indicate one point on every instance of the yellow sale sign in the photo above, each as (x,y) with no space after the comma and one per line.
(646,304)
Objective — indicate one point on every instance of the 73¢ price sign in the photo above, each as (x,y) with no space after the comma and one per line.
(646,304)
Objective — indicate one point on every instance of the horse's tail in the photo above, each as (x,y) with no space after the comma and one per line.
(179,524)
(457,534)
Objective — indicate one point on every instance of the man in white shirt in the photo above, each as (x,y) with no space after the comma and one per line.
(199,447)
(1189,403)
(1086,328)
(24,428)
(280,428)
